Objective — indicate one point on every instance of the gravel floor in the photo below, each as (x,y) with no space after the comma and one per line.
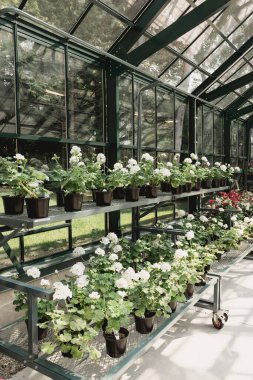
(9,367)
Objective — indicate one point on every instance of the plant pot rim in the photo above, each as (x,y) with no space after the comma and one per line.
(110,336)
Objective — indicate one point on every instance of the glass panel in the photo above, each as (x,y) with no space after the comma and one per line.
(243,70)
(227,100)
(42,89)
(99,28)
(177,72)
(165,121)
(220,55)
(148,119)
(204,45)
(9,3)
(243,33)
(181,124)
(85,101)
(164,157)
(207,131)
(7,83)
(125,111)
(241,140)
(199,130)
(234,139)
(60,13)
(218,134)
(157,62)
(192,81)
(171,13)
(231,17)
(213,87)
(184,41)
(232,70)
(128,8)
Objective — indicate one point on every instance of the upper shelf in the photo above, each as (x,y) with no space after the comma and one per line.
(57,214)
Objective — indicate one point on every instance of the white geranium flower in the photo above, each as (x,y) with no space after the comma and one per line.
(178,243)
(117,267)
(194,156)
(181,213)
(94,295)
(176,156)
(19,157)
(77,269)
(33,272)
(214,220)
(208,163)
(165,267)
(105,240)
(217,164)
(134,169)
(100,252)
(187,160)
(204,159)
(144,275)
(44,282)
(113,237)
(190,217)
(220,224)
(165,172)
(189,235)
(82,281)
(121,283)
(113,257)
(62,292)
(198,163)
(118,166)
(188,226)
(147,157)
(74,160)
(169,164)
(78,251)
(131,162)
(237,169)
(76,151)
(180,253)
(121,293)
(246,220)
(81,164)
(101,158)
(117,248)
(156,266)
(234,218)
(240,231)
(203,219)
(225,226)
(223,168)
(129,275)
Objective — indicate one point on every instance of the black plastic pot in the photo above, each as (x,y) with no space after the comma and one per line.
(207,184)
(165,187)
(13,205)
(152,191)
(60,198)
(73,202)
(187,187)
(103,198)
(119,193)
(197,185)
(189,290)
(218,256)
(116,347)
(177,190)
(173,306)
(223,182)
(132,194)
(37,207)
(142,191)
(145,325)
(216,183)
(42,333)
(207,268)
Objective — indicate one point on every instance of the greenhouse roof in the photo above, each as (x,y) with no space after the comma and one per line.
(203,47)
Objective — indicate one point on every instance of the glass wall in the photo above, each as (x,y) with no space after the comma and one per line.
(238,152)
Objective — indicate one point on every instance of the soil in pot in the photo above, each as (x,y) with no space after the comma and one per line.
(144,325)
(165,187)
(119,193)
(132,194)
(73,202)
(103,198)
(13,205)
(37,207)
(60,198)
(152,191)
(173,306)
(116,347)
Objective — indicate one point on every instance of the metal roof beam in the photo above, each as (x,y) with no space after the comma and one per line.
(239,101)
(226,88)
(224,67)
(131,35)
(243,111)
(176,29)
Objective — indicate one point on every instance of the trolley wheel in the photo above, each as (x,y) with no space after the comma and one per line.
(218,323)
(225,315)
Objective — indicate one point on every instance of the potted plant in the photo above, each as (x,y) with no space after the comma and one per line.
(121,174)
(189,174)
(153,177)
(135,180)
(176,179)
(166,173)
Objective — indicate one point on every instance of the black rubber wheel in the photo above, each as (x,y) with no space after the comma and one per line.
(225,317)
(218,323)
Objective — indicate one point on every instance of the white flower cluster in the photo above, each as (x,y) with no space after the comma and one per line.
(78,251)
(147,157)
(19,157)
(94,295)
(118,166)
(190,217)
(134,169)
(131,162)
(165,172)
(105,240)
(169,164)
(189,235)
(203,219)
(100,252)
(180,253)
(101,158)
(76,156)
(194,156)
(33,272)
(82,281)
(163,266)
(113,237)
(188,160)
(117,266)
(62,292)
(117,248)
(181,213)
(77,269)
(45,282)
(113,257)
(223,168)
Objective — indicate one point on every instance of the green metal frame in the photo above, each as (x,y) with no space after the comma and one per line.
(226,88)
(240,101)
(177,29)
(243,111)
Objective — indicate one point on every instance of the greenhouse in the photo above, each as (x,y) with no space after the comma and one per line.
(126,189)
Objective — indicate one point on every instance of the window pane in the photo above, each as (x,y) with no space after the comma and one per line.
(218,134)
(243,33)
(181,124)
(7,83)
(148,119)
(199,130)
(42,89)
(165,121)
(9,3)
(125,111)
(99,28)
(85,101)
(223,103)
(234,139)
(128,8)
(192,81)
(60,13)
(157,62)
(177,72)
(220,55)
(207,131)
(241,140)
